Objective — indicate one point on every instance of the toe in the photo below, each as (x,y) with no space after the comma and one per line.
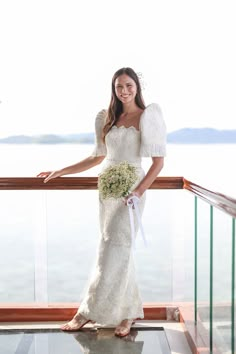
(117,331)
(124,330)
(66,327)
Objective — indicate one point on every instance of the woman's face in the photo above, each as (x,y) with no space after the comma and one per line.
(125,88)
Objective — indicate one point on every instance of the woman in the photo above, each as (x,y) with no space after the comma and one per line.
(126,132)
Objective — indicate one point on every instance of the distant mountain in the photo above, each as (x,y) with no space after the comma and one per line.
(182,136)
(16,139)
(83,138)
(202,136)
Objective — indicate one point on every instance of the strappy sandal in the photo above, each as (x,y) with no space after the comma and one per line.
(80,323)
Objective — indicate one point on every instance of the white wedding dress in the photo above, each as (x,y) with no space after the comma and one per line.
(113,293)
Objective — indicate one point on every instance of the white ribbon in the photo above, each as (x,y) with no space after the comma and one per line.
(132,203)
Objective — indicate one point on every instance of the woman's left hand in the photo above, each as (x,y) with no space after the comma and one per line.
(136,193)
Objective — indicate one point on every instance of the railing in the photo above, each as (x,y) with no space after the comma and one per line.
(213,251)
(217,311)
(68,183)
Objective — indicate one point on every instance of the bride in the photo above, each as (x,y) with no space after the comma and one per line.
(126,131)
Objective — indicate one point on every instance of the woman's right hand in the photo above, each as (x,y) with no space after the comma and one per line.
(49,175)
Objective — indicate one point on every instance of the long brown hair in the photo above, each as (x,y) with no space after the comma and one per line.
(115,108)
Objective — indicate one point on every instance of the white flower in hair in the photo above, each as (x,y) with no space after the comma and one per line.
(141,80)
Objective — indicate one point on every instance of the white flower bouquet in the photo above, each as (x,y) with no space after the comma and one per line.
(116,180)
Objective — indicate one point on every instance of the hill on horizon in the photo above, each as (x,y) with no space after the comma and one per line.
(181,136)
(202,136)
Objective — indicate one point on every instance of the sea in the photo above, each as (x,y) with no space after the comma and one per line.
(49,239)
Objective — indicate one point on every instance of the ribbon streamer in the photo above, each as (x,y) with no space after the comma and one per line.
(132,203)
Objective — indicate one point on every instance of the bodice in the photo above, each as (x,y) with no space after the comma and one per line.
(123,144)
(130,144)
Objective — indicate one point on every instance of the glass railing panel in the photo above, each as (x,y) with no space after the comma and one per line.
(203,262)
(153,263)
(183,239)
(21,213)
(73,236)
(164,268)
(222,280)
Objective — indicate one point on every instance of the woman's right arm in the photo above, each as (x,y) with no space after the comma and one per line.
(81,166)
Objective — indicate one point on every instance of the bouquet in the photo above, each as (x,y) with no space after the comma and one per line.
(116,181)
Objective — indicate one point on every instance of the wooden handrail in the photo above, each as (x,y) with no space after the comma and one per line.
(219,200)
(34,183)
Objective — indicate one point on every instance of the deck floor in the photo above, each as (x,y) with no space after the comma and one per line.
(146,337)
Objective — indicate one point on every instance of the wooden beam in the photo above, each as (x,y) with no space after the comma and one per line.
(61,312)
(68,183)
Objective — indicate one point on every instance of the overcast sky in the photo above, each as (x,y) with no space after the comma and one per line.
(57,59)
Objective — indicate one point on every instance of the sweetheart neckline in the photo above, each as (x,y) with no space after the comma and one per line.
(123,126)
(131,126)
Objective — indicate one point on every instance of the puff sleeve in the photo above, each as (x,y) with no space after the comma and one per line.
(153,132)
(100,147)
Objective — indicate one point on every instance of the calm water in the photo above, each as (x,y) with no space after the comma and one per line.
(211,165)
(60,228)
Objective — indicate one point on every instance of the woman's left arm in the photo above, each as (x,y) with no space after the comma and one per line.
(153,172)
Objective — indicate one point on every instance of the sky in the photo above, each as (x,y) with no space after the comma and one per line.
(57,59)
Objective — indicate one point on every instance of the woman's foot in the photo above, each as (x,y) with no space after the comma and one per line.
(124,328)
(77,322)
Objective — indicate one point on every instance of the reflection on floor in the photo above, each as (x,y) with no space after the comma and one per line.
(101,341)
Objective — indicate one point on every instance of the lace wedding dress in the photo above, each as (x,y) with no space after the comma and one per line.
(113,293)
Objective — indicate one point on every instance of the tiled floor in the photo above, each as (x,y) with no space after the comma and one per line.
(145,338)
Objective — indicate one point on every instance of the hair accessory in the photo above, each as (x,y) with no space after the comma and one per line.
(141,80)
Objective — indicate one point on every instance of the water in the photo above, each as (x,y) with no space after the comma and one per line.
(69,222)
(211,165)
